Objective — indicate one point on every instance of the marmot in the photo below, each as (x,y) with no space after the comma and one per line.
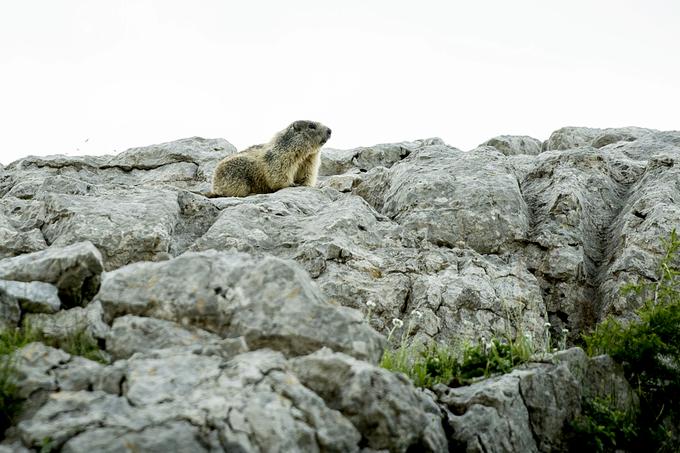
(291,158)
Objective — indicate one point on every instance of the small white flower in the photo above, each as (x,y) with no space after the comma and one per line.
(370,304)
(396,322)
(565,331)
(417,314)
(547,324)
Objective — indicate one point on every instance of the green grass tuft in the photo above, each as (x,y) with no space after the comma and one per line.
(78,343)
(457,365)
(10,341)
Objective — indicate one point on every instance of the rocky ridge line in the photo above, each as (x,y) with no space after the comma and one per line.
(237,323)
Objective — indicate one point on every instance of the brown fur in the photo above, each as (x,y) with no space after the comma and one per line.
(291,158)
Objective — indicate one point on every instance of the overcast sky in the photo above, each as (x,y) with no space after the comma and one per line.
(94,77)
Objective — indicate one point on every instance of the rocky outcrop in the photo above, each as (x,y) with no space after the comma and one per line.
(74,270)
(512,145)
(529,410)
(270,302)
(255,324)
(179,398)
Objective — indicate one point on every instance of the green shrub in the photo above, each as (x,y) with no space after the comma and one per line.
(603,428)
(649,350)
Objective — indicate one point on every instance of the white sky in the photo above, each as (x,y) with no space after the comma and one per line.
(132,73)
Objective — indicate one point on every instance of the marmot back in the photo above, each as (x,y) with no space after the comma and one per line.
(291,158)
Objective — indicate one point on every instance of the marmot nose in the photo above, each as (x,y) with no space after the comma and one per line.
(328,132)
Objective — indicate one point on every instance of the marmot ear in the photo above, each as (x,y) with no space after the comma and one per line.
(297,127)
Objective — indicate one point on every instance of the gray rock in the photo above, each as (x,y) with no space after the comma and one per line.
(571,137)
(172,436)
(250,403)
(357,255)
(78,374)
(336,161)
(34,363)
(575,137)
(598,217)
(511,145)
(344,183)
(488,417)
(67,414)
(386,408)
(128,225)
(451,198)
(464,295)
(529,409)
(19,231)
(14,447)
(130,334)
(10,313)
(270,302)
(74,270)
(187,163)
(65,323)
(203,153)
(33,297)
(634,252)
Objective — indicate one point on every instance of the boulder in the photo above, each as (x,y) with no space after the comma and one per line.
(386,408)
(33,297)
(130,334)
(511,145)
(65,323)
(270,302)
(176,398)
(530,409)
(455,199)
(75,270)
(337,161)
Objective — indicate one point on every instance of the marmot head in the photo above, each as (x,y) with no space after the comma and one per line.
(307,132)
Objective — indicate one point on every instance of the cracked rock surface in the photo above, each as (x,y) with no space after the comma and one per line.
(240,324)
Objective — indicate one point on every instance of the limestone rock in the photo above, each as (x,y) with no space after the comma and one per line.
(575,137)
(270,302)
(74,270)
(126,225)
(34,363)
(130,334)
(65,323)
(19,227)
(175,397)
(451,198)
(511,145)
(529,409)
(389,412)
(10,312)
(336,161)
(33,297)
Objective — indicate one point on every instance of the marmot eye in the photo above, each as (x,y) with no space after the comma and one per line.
(312,126)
